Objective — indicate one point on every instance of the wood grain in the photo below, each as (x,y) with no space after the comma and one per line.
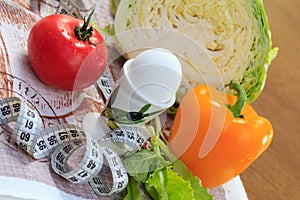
(275,175)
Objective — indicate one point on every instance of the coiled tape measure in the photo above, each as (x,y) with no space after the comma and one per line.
(62,140)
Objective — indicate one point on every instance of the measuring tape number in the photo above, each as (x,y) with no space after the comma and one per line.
(62,140)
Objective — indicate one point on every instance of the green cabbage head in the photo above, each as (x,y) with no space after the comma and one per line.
(217,41)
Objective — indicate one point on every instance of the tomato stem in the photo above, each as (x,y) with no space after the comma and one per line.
(237,108)
(84,33)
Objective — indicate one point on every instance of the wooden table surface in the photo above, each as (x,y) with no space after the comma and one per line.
(275,175)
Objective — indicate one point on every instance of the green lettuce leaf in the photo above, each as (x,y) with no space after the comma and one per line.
(135,191)
(140,164)
(114,6)
(199,191)
(167,185)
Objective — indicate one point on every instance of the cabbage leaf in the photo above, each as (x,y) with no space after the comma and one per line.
(217,41)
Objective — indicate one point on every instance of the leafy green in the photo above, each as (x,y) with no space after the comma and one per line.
(135,191)
(145,108)
(132,190)
(108,30)
(167,183)
(156,173)
(114,6)
(140,164)
(199,191)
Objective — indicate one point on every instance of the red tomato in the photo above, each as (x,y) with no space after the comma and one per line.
(60,59)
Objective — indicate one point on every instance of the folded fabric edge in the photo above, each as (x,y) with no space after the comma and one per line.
(13,188)
(233,189)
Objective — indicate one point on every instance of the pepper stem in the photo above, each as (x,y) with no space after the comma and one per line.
(237,108)
(84,33)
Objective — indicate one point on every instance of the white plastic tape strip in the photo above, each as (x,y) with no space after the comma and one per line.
(63,140)
(132,136)
(106,83)
(119,175)
(89,166)
(67,7)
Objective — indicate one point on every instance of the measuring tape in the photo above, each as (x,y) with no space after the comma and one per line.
(67,7)
(105,83)
(63,140)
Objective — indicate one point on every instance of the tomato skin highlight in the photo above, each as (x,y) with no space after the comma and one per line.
(61,60)
(239,144)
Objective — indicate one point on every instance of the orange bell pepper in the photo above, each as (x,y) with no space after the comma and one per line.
(218,135)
